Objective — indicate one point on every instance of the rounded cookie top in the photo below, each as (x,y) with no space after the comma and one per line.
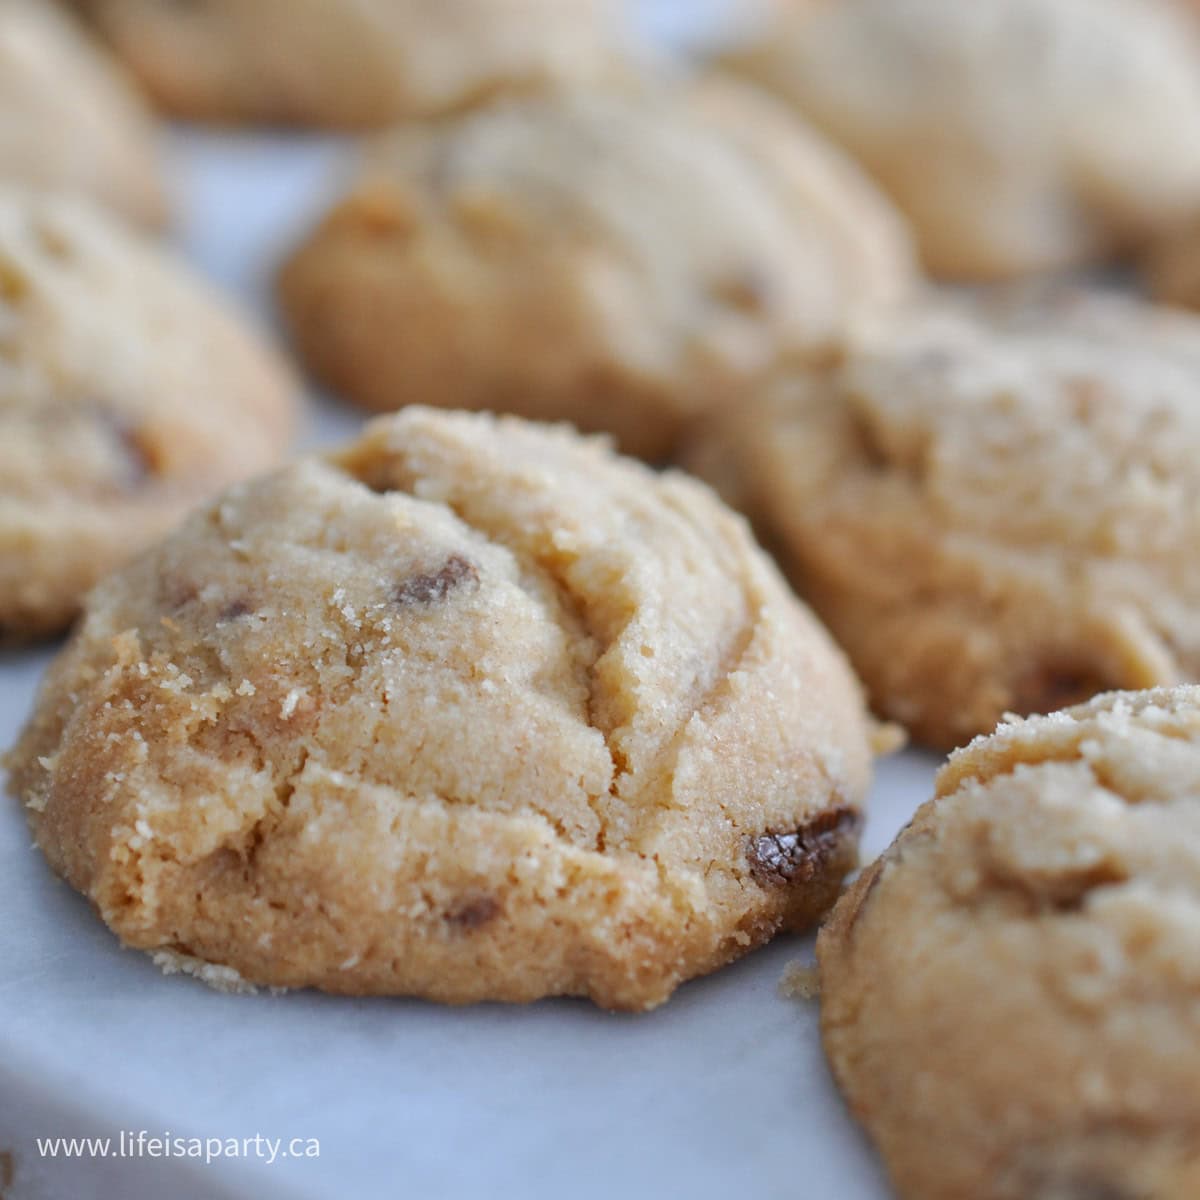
(69,120)
(994,506)
(1016,135)
(469,710)
(128,393)
(1011,993)
(1171,266)
(618,261)
(350,63)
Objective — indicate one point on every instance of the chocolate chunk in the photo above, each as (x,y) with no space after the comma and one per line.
(1052,686)
(747,291)
(233,610)
(178,593)
(437,585)
(474,913)
(137,461)
(778,859)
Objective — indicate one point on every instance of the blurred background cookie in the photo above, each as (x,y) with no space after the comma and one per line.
(1008,995)
(353,63)
(1171,267)
(993,504)
(618,261)
(69,119)
(1016,135)
(468,710)
(130,393)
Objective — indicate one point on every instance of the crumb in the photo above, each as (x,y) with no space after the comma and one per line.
(222,979)
(887,738)
(800,981)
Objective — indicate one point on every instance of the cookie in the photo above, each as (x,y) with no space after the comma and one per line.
(69,119)
(469,710)
(1016,135)
(994,505)
(617,261)
(1171,266)
(363,63)
(1011,994)
(128,394)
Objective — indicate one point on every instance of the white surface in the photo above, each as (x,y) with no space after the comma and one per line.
(722,1091)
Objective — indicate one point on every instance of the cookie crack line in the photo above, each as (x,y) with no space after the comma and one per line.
(576,603)
(732,659)
(570,598)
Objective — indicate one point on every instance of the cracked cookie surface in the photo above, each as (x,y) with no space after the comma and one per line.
(469,710)
(993,504)
(128,394)
(69,120)
(1016,135)
(1011,992)
(352,63)
(621,262)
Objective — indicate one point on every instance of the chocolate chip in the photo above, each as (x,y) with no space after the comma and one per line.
(137,462)
(778,859)
(747,290)
(437,585)
(1052,686)
(178,593)
(233,610)
(474,913)
(8,1169)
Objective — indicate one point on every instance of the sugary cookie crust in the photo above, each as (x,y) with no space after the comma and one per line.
(1011,994)
(469,710)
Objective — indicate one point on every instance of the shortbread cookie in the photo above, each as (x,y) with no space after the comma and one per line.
(128,393)
(353,63)
(1011,994)
(994,507)
(69,120)
(621,262)
(469,710)
(1017,135)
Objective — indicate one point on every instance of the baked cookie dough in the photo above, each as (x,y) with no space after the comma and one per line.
(470,710)
(128,393)
(1171,267)
(1011,994)
(69,120)
(617,261)
(995,506)
(353,63)
(1016,135)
